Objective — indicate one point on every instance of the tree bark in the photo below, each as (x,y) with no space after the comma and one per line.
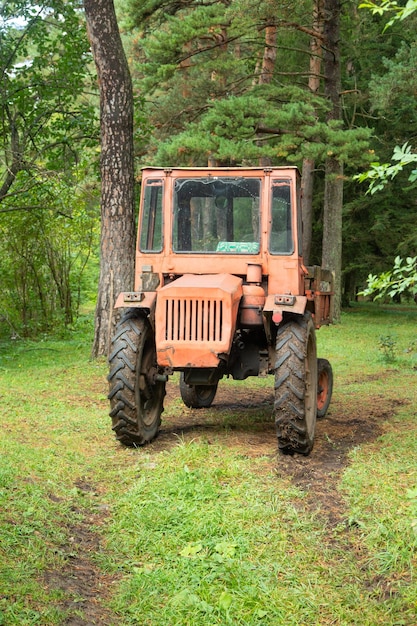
(269,56)
(307,178)
(117,170)
(267,67)
(333,191)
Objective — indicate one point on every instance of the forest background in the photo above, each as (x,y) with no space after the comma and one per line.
(220,81)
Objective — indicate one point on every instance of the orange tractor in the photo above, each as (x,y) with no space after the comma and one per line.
(221,290)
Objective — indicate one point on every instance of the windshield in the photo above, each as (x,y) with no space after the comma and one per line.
(216,214)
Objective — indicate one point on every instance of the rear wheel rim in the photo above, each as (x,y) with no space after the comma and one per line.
(322,390)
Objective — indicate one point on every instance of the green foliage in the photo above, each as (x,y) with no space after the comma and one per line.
(48,190)
(46,114)
(47,253)
(401,280)
(380,174)
(393,88)
(199,69)
(393,95)
(391,6)
(248,127)
(380,226)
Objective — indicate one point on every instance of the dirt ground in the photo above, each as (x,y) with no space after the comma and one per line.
(345,426)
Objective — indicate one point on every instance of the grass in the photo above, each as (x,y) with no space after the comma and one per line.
(201,528)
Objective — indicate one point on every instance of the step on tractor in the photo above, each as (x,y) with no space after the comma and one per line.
(221,290)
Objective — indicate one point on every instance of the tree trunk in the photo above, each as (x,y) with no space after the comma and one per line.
(267,68)
(269,56)
(117,171)
(307,179)
(307,186)
(333,191)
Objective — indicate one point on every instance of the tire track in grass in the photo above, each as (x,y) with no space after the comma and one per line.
(319,475)
(85,588)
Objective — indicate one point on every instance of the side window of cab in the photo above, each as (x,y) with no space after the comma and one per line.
(151,236)
(281,236)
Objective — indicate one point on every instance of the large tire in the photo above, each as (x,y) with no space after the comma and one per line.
(197,396)
(136,394)
(324,386)
(295,403)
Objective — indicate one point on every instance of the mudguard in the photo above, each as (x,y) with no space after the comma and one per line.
(136,299)
(277,304)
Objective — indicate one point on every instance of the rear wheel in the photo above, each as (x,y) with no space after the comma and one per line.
(197,396)
(136,394)
(295,403)
(324,386)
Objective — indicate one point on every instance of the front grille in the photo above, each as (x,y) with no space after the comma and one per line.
(194,319)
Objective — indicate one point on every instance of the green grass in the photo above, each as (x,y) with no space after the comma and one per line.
(200,528)
(216,543)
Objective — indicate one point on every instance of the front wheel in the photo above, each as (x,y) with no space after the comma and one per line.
(136,393)
(197,396)
(295,403)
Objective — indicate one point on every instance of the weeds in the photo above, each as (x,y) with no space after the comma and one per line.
(389,348)
(387,345)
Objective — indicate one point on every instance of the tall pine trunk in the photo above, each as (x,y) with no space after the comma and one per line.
(265,68)
(117,170)
(333,191)
(307,179)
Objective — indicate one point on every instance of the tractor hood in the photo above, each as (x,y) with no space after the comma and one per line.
(195,319)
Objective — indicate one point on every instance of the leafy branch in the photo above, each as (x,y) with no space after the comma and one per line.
(390,6)
(400,280)
(380,174)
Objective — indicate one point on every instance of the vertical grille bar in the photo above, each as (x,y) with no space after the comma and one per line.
(193,322)
(182,320)
(204,320)
(175,320)
(168,325)
(210,319)
(199,320)
(187,320)
(218,321)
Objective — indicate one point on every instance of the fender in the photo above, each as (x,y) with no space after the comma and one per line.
(277,304)
(136,299)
